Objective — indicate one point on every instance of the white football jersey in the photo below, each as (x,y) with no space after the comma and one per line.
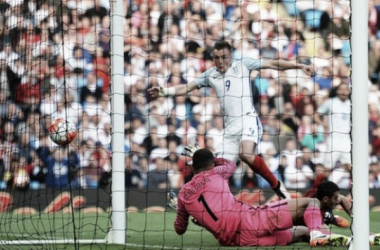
(339,114)
(234,88)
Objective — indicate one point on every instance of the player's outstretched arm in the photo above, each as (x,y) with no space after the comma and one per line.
(224,167)
(173,202)
(182,219)
(346,204)
(284,65)
(182,89)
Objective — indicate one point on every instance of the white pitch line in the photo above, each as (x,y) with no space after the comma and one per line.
(164,247)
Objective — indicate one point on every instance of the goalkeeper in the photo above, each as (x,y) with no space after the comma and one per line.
(208,199)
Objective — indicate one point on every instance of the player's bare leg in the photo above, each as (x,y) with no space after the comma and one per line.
(300,234)
(309,208)
(258,165)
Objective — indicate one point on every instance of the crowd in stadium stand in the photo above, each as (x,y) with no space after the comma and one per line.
(55,61)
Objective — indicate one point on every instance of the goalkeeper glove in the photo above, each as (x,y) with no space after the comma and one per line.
(329,217)
(172,203)
(189,151)
(172,200)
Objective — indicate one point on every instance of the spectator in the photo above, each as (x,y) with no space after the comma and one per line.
(186,130)
(374,61)
(300,176)
(57,165)
(336,113)
(324,80)
(216,131)
(174,173)
(161,150)
(102,71)
(249,179)
(289,118)
(139,130)
(157,178)
(105,36)
(307,156)
(139,107)
(77,63)
(37,173)
(339,26)
(29,91)
(282,166)
(96,13)
(341,175)
(84,151)
(48,102)
(162,127)
(375,141)
(9,139)
(293,48)
(267,50)
(267,144)
(90,175)
(8,54)
(374,175)
(303,56)
(26,147)
(313,138)
(176,73)
(9,79)
(89,127)
(172,136)
(3,104)
(20,174)
(90,89)
(168,16)
(151,140)
(105,135)
(32,126)
(305,104)
(305,127)
(291,152)
(133,177)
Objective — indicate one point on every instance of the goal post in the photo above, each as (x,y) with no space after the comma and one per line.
(117,98)
(360,190)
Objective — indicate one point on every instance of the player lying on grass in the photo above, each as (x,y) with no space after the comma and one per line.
(208,199)
(328,195)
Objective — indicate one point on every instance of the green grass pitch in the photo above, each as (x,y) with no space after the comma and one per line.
(144,231)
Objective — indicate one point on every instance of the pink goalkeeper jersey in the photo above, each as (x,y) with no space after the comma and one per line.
(208,199)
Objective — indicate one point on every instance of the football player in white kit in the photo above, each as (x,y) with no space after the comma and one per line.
(338,127)
(242,128)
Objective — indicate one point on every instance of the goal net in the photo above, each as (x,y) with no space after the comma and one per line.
(55,62)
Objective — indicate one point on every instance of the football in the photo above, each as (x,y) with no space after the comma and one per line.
(62,131)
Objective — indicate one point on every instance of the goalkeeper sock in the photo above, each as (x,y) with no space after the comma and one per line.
(260,167)
(313,218)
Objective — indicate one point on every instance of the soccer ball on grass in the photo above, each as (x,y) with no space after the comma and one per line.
(62,131)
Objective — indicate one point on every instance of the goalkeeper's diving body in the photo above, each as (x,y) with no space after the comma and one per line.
(231,82)
(208,199)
